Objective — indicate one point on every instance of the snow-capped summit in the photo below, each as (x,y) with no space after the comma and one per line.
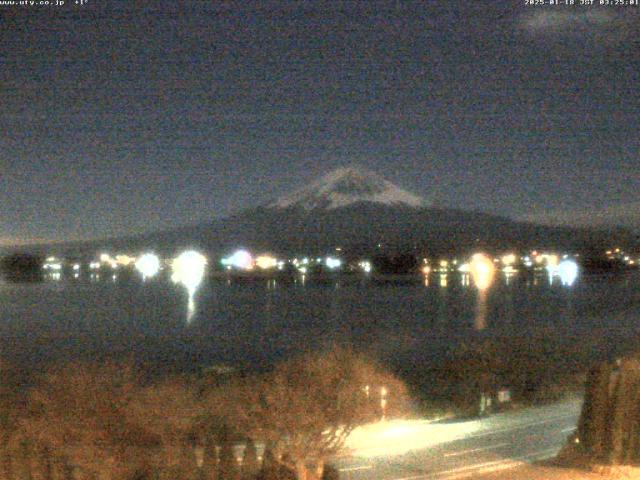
(345,186)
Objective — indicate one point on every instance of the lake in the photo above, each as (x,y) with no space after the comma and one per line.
(252,324)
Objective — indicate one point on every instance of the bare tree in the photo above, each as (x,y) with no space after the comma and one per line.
(79,414)
(307,407)
(170,412)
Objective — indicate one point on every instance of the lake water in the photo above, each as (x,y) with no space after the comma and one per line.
(253,324)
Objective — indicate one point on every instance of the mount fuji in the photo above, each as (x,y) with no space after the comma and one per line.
(347,186)
(363,213)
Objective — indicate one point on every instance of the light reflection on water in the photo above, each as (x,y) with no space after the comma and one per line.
(258,321)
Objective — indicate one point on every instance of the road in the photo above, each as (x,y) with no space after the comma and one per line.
(417,450)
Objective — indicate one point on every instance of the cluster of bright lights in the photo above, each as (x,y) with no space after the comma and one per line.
(240,259)
(148,265)
(106,259)
(567,270)
(52,263)
(365,266)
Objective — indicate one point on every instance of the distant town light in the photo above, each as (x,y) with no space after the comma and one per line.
(188,269)
(266,262)
(509,259)
(365,265)
(568,271)
(148,265)
(124,260)
(333,263)
(482,270)
(241,259)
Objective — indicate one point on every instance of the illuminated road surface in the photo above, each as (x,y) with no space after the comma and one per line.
(415,450)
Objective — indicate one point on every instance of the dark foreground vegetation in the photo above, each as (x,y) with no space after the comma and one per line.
(535,368)
(21,267)
(113,421)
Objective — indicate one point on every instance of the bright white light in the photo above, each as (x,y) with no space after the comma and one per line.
(332,262)
(148,265)
(240,259)
(188,270)
(76,267)
(568,271)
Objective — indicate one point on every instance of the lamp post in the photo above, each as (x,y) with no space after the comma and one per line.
(383,402)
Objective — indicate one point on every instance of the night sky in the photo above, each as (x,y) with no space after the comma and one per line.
(123,117)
